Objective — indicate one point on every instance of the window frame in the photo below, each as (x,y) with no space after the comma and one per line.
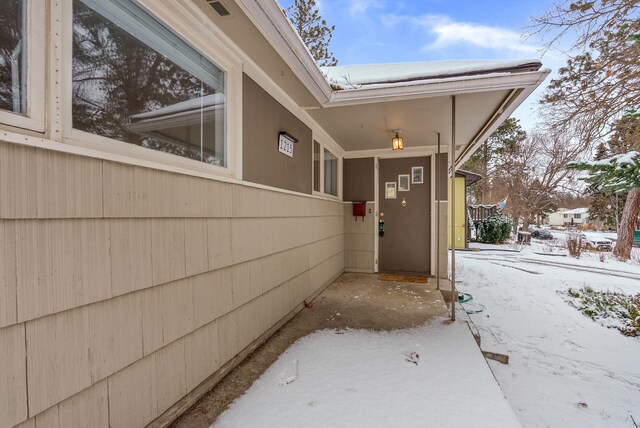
(34,118)
(181,20)
(339,158)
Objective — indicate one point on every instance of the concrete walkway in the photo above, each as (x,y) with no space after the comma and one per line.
(354,301)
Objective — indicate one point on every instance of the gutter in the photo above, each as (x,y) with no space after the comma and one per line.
(436,88)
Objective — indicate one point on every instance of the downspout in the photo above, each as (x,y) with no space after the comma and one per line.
(453,208)
(437,223)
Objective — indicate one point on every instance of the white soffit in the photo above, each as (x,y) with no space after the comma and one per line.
(367,126)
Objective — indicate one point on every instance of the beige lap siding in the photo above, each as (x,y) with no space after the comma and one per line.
(359,240)
(123,288)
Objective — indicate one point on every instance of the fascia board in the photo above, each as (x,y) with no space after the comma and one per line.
(269,18)
(471,146)
(437,88)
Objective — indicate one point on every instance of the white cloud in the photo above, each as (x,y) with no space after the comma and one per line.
(358,8)
(449,33)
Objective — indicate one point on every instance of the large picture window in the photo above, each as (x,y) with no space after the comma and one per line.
(135,81)
(13,56)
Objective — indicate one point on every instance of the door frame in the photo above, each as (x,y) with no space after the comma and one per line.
(432,204)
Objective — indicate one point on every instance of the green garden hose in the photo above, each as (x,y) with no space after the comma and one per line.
(466,298)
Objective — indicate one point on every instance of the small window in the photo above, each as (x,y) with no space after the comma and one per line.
(566,215)
(316,166)
(136,81)
(13,56)
(578,216)
(330,173)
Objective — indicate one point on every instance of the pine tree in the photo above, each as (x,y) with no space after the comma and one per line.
(313,30)
(506,138)
(619,173)
(606,205)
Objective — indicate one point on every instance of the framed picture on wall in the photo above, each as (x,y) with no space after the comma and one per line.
(390,190)
(417,175)
(403,183)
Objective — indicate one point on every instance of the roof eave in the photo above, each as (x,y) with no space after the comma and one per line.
(503,113)
(437,87)
(270,19)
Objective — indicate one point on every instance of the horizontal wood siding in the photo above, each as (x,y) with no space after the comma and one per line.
(122,288)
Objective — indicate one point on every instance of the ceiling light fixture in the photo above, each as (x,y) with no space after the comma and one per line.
(397,142)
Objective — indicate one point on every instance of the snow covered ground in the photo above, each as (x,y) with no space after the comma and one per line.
(432,376)
(565,369)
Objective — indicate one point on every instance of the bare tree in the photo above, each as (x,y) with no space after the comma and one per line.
(601,84)
(532,172)
(602,81)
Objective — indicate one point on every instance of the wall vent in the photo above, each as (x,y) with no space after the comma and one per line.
(219,7)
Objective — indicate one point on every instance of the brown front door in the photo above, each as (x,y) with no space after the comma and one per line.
(405,246)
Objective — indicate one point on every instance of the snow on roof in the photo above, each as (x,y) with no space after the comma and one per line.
(577,211)
(353,76)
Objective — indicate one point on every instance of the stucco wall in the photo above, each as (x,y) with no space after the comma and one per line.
(123,288)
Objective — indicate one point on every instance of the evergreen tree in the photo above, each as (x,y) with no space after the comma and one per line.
(313,30)
(619,173)
(607,205)
(506,138)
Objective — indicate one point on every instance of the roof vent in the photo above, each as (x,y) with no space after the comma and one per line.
(219,7)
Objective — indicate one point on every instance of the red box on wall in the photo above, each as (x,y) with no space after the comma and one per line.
(359,210)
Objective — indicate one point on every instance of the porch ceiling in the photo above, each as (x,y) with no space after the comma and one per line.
(368,126)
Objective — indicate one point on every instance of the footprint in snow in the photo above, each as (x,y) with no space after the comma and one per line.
(290,373)
(412,357)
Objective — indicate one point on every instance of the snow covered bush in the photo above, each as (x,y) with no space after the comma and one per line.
(494,229)
(609,308)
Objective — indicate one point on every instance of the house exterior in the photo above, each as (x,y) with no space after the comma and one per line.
(556,218)
(176,178)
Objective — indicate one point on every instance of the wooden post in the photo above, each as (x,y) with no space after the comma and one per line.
(452,205)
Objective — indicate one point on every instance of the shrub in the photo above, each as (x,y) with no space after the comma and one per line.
(574,244)
(609,308)
(494,229)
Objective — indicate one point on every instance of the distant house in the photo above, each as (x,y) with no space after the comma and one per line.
(575,217)
(578,217)
(556,218)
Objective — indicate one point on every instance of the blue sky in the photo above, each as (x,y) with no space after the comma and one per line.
(383,31)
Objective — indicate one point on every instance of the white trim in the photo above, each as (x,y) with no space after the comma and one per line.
(338,194)
(432,242)
(376,203)
(408,152)
(34,118)
(437,88)
(11,137)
